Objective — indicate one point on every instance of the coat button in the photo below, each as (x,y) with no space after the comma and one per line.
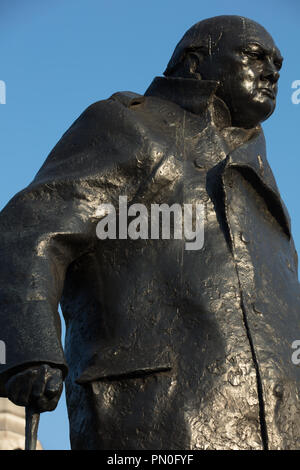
(198,163)
(257,309)
(278,391)
(245,238)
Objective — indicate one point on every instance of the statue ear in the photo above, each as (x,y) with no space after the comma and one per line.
(189,65)
(194,58)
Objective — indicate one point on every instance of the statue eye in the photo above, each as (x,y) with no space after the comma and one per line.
(254,54)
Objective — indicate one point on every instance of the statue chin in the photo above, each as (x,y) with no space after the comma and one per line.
(253,113)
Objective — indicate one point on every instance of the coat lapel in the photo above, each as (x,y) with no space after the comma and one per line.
(250,160)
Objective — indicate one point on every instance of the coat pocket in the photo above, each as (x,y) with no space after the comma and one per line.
(119,364)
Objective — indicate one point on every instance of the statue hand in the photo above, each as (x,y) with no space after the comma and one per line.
(37,386)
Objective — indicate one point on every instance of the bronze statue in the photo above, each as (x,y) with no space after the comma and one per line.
(165,348)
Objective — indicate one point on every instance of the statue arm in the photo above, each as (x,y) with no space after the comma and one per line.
(42,230)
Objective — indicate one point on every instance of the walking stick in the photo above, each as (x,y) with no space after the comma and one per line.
(31,429)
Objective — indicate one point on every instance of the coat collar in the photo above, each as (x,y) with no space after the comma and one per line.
(199,98)
(247,146)
(195,96)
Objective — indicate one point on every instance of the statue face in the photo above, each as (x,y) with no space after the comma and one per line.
(246,62)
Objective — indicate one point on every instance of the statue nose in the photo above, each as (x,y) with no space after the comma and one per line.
(273,77)
(271,73)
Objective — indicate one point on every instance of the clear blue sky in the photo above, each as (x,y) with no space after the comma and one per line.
(59,56)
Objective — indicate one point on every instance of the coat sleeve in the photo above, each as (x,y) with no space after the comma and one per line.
(46,227)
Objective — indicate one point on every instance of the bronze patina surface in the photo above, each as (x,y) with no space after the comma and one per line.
(165,348)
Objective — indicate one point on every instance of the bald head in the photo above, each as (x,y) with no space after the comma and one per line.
(207,35)
(238,53)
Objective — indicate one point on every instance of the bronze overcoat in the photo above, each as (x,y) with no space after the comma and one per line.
(166,348)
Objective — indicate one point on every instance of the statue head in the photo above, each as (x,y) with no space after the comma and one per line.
(238,53)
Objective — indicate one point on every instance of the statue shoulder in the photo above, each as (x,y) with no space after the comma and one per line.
(120,99)
(101,129)
(106,113)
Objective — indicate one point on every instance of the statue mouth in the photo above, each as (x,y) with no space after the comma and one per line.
(268,92)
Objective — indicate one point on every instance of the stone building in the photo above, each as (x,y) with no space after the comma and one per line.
(12,426)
